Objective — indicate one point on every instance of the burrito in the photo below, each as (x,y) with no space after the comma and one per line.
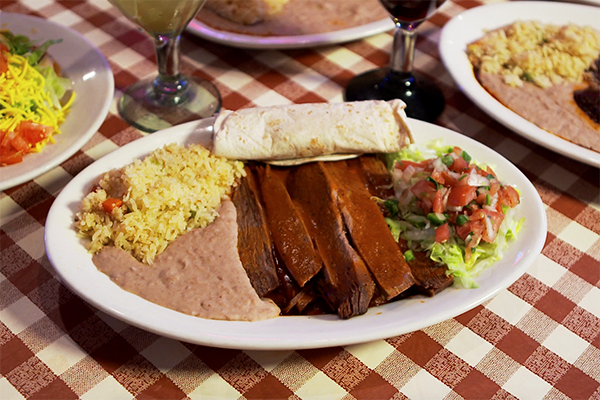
(299,133)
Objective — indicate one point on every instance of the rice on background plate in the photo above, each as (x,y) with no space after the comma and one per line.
(545,54)
(171,191)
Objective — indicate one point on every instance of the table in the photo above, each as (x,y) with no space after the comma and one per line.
(540,338)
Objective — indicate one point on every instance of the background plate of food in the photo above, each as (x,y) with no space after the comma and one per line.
(69,255)
(287,24)
(537,94)
(91,80)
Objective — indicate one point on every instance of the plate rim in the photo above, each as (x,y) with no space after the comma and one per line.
(94,124)
(321,336)
(245,41)
(454,58)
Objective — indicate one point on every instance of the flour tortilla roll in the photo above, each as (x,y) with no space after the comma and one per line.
(299,133)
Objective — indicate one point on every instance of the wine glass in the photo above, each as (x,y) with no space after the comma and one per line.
(424,99)
(170,98)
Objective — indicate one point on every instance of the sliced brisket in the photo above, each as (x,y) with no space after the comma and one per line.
(369,233)
(289,234)
(430,277)
(254,240)
(346,283)
(374,174)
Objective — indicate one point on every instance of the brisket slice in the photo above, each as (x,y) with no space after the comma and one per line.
(346,283)
(369,233)
(289,234)
(254,240)
(430,276)
(375,175)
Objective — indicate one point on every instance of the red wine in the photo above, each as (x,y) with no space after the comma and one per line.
(411,10)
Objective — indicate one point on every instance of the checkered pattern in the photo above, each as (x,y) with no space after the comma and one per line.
(538,339)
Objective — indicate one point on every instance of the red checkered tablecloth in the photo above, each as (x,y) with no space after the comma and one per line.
(538,339)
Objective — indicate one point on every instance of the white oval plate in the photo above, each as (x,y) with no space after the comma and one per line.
(74,265)
(93,84)
(288,42)
(473,24)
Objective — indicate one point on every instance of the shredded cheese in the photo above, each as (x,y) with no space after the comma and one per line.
(23,97)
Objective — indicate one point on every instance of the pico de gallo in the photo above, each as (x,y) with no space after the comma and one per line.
(31,90)
(457,211)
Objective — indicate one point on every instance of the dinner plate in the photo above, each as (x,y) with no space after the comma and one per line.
(592,2)
(288,42)
(72,262)
(93,84)
(473,24)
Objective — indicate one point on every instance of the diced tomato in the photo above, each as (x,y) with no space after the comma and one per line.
(471,233)
(3,64)
(494,187)
(442,233)
(402,165)
(490,221)
(459,165)
(5,149)
(14,144)
(450,180)
(508,196)
(6,138)
(110,204)
(424,191)
(438,202)
(462,231)
(438,177)
(495,218)
(9,156)
(33,132)
(482,196)
(490,171)
(3,61)
(460,196)
(20,144)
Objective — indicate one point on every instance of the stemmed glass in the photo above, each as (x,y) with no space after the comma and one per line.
(169,98)
(424,99)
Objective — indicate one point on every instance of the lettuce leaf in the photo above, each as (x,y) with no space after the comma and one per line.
(56,86)
(23,46)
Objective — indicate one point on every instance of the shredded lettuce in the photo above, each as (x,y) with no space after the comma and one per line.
(23,46)
(409,223)
(55,85)
(482,256)
(414,152)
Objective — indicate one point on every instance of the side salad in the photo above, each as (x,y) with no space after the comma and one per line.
(34,97)
(456,210)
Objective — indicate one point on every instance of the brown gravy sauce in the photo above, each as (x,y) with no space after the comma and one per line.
(304,17)
(199,274)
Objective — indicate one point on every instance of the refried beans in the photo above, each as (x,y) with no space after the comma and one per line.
(304,17)
(199,274)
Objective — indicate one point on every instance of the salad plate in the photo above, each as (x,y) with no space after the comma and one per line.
(92,81)
(73,263)
(473,24)
(288,42)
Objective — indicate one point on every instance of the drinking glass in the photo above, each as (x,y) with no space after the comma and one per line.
(169,98)
(424,99)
